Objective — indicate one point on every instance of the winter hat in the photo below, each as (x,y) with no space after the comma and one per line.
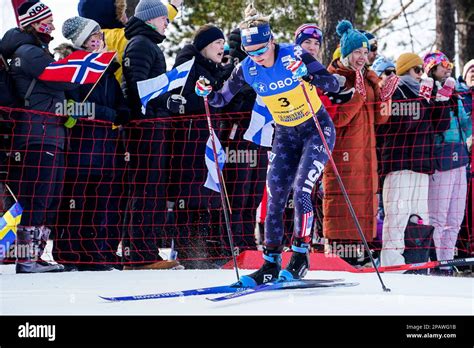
(105,12)
(32,12)
(79,29)
(371,37)
(206,35)
(381,64)
(406,61)
(351,39)
(308,31)
(432,59)
(150,9)
(467,66)
(256,35)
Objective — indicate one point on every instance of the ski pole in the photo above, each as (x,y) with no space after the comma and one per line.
(222,186)
(341,184)
(422,265)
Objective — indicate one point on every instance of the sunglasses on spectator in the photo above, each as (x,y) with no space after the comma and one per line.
(373,48)
(389,72)
(258,52)
(417,69)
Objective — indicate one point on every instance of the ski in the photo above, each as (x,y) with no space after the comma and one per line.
(283,285)
(416,266)
(192,292)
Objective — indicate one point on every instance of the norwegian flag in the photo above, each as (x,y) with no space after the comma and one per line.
(79,67)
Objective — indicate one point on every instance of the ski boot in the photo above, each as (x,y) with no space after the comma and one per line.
(267,273)
(299,262)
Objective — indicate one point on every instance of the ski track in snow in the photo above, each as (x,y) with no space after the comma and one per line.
(77,293)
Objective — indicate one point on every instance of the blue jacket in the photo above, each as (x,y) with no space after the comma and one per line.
(450,146)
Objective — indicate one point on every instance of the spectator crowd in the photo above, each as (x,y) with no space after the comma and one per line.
(114,183)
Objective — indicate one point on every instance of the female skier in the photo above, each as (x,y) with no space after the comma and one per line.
(298,155)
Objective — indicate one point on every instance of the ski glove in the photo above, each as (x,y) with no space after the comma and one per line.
(446,91)
(75,112)
(343,95)
(176,103)
(388,87)
(299,70)
(203,87)
(123,117)
(426,88)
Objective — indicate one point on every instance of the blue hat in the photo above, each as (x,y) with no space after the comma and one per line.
(256,35)
(371,37)
(351,39)
(382,63)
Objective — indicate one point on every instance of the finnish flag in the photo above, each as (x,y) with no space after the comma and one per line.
(260,130)
(152,88)
(212,181)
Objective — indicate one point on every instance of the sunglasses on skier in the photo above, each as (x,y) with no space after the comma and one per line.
(258,52)
(314,32)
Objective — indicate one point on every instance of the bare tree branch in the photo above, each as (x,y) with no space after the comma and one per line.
(416,10)
(388,33)
(409,27)
(391,18)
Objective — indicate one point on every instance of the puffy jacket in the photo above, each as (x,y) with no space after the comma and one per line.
(105,13)
(93,144)
(145,60)
(408,139)
(356,160)
(30,57)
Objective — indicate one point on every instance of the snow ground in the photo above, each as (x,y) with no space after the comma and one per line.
(77,294)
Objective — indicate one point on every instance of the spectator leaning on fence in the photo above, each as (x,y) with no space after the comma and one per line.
(448,184)
(407,156)
(198,219)
(91,236)
(148,143)
(354,153)
(37,175)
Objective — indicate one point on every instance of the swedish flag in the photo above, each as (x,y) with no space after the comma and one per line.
(8,225)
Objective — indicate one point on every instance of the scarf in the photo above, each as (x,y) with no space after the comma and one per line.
(411,83)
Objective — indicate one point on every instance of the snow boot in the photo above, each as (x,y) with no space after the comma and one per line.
(267,273)
(30,246)
(299,262)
